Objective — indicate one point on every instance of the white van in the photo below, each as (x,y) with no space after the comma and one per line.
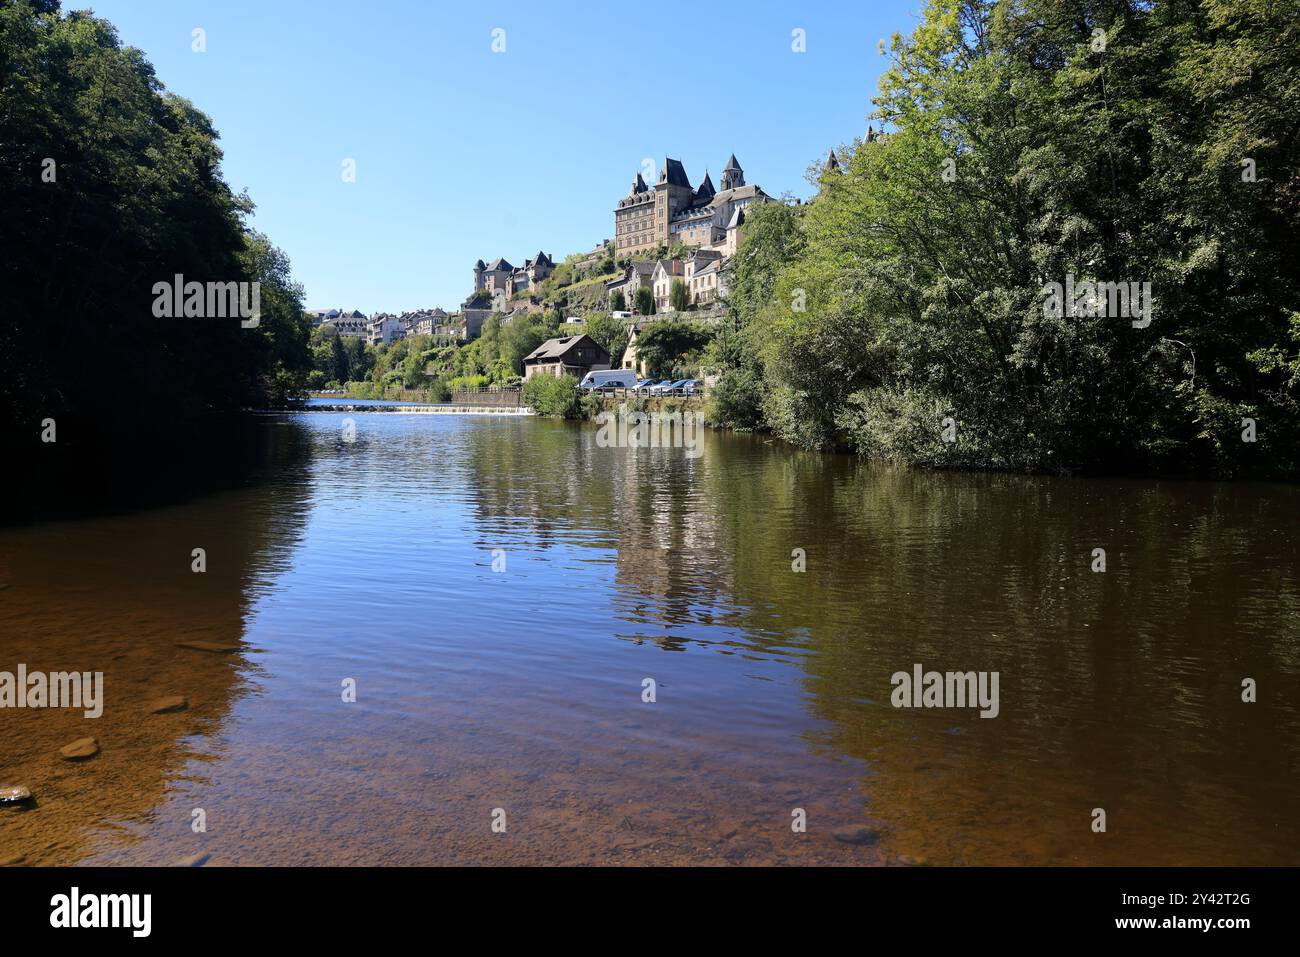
(609,379)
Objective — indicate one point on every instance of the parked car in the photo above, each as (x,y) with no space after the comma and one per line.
(644,385)
(676,387)
(662,386)
(692,387)
(608,379)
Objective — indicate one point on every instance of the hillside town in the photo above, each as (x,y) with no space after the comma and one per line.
(669,256)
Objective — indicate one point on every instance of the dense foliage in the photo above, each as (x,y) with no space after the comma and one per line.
(433,368)
(555,396)
(1109,141)
(672,347)
(109,185)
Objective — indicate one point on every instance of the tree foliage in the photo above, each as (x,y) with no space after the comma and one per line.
(1105,140)
(108,185)
(553,396)
(671,346)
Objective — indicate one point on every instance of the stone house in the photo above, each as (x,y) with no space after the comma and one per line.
(567,355)
(666,271)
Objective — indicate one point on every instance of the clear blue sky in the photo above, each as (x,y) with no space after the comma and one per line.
(464,153)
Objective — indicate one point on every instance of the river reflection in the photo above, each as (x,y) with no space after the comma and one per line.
(500,589)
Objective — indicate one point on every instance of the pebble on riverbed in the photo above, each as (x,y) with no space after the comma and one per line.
(168,705)
(857,835)
(194,860)
(80,749)
(216,647)
(15,795)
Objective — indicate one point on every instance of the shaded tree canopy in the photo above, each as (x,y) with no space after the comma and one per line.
(109,184)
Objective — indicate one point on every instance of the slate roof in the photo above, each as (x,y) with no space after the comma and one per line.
(559,347)
(749,191)
(674,173)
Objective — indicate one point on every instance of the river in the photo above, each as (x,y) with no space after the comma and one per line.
(499,590)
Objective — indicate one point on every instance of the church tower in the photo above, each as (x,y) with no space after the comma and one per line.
(733,175)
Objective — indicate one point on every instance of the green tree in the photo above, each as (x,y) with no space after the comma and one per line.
(669,346)
(1028,143)
(678,296)
(611,333)
(111,185)
(645,301)
(341,366)
(618,302)
(554,396)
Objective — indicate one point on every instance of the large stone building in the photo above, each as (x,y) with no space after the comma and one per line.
(350,323)
(505,278)
(673,211)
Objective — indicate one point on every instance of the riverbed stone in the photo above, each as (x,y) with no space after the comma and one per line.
(194,860)
(170,704)
(857,835)
(80,749)
(215,647)
(15,794)
(12,860)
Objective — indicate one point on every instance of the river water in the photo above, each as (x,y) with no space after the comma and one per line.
(498,591)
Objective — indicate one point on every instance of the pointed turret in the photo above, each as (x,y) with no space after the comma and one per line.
(673,174)
(832,163)
(706,191)
(732,175)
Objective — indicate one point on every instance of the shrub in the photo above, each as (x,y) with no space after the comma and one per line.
(554,397)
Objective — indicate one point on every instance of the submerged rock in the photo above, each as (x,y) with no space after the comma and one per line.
(216,647)
(80,749)
(194,860)
(12,860)
(170,704)
(14,795)
(857,835)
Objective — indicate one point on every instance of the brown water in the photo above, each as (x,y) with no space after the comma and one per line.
(521,689)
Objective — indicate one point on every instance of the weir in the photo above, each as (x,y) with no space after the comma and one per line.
(407,409)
